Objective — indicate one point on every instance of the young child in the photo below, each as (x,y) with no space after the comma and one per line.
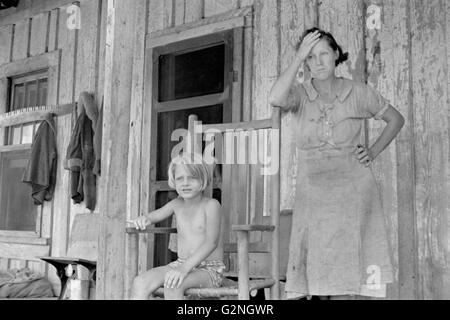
(200,249)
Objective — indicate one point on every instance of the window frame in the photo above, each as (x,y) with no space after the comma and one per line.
(49,61)
(224,97)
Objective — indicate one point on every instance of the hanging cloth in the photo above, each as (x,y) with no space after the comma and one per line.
(40,173)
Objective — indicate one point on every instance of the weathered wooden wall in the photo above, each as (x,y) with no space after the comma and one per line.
(403,57)
(406,57)
(38,27)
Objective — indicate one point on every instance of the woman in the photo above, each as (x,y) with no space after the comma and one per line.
(339,246)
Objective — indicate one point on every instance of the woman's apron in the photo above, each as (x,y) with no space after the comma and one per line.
(339,243)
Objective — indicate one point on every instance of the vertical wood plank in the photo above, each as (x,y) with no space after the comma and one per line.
(148,173)
(230,148)
(118,80)
(169,13)
(180,6)
(21,40)
(39,33)
(53,30)
(161,15)
(88,47)
(194,10)
(381,74)
(295,18)
(136,115)
(431,145)
(3,103)
(87,67)
(265,56)
(101,54)
(67,41)
(446,224)
(155,15)
(52,99)
(6,37)
(266,61)
(61,200)
(247,81)
(213,7)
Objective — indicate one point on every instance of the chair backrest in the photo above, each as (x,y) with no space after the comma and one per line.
(83,239)
(248,155)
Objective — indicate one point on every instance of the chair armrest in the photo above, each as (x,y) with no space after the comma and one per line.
(252,227)
(166,230)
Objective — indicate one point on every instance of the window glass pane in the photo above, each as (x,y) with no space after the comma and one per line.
(31,93)
(169,121)
(15,134)
(27,133)
(19,96)
(195,73)
(42,92)
(17,209)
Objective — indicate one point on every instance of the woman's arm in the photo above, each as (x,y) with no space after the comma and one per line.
(395,122)
(280,90)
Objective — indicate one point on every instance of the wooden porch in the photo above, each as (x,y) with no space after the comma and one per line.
(111,50)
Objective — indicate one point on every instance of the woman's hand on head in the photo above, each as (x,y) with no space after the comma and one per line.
(308,42)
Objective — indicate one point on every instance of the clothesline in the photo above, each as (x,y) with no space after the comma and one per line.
(34,114)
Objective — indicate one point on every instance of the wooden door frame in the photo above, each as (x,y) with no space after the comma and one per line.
(239,24)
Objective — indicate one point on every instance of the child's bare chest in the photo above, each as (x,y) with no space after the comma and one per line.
(191,221)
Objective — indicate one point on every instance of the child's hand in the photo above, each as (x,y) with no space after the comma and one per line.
(141,222)
(174,278)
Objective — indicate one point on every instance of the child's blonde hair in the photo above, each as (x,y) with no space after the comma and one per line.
(195,165)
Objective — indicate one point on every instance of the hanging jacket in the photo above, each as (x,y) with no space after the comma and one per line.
(80,157)
(40,173)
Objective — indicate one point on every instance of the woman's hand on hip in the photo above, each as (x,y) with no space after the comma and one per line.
(363,154)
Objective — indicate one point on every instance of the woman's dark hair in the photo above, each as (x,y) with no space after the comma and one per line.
(331,41)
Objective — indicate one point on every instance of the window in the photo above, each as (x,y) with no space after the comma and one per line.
(17,211)
(26,91)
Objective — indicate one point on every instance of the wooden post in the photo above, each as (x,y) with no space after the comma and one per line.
(122,20)
(275,214)
(131,264)
(243,263)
